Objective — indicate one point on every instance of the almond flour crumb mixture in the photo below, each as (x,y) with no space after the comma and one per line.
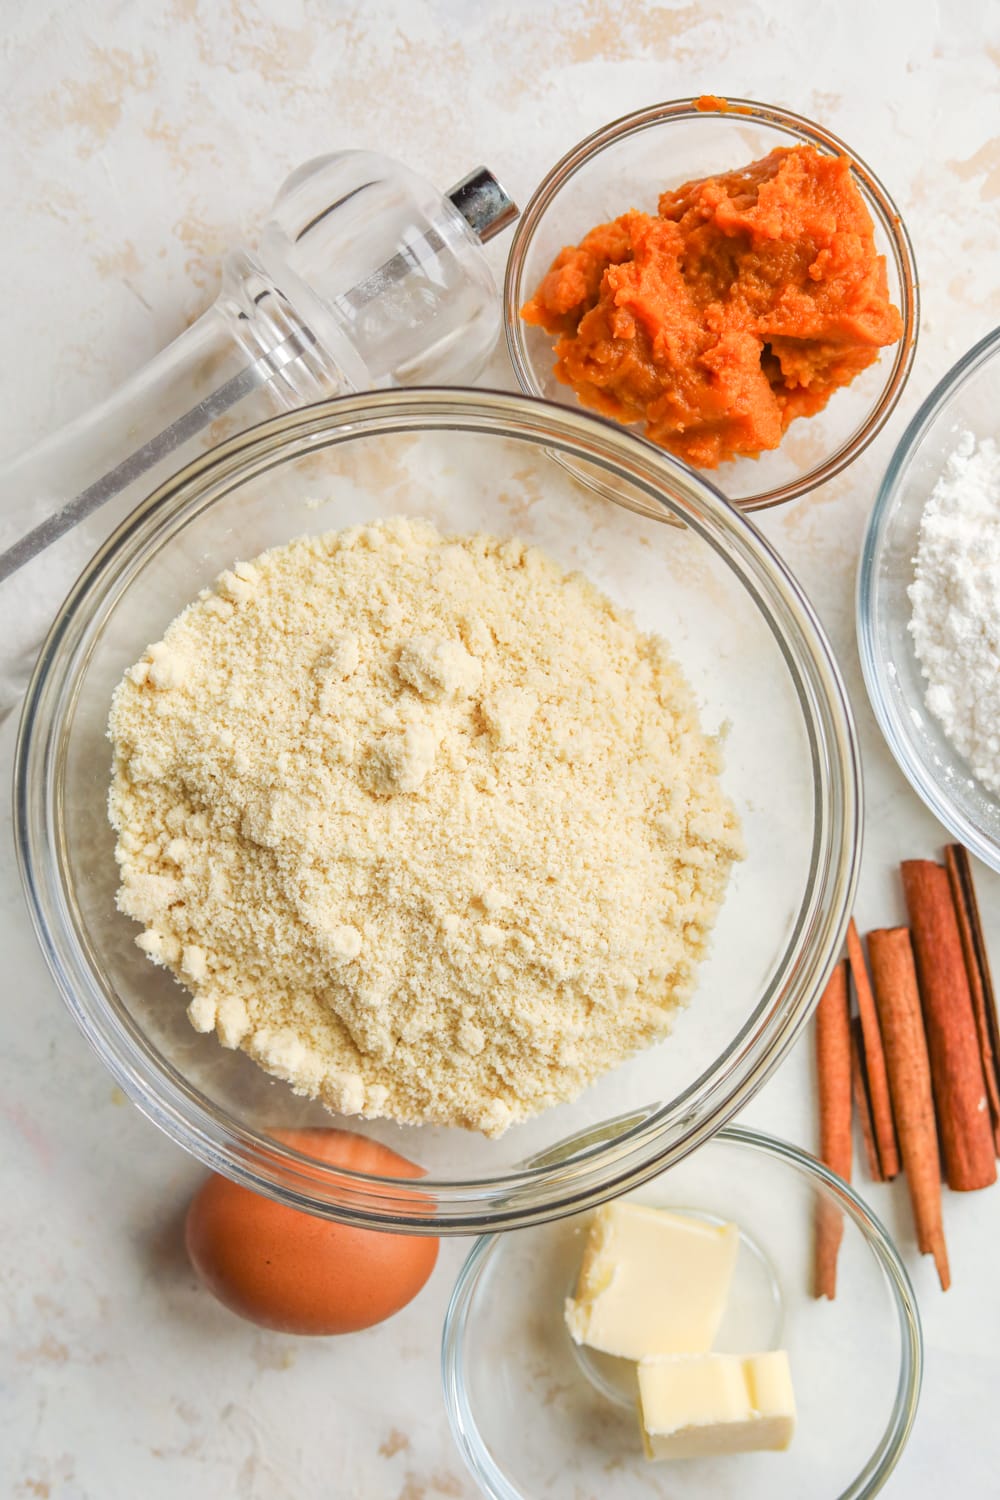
(424,824)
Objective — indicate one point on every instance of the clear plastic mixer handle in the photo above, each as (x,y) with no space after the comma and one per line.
(365,276)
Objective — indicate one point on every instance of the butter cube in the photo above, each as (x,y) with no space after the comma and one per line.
(651,1282)
(703,1405)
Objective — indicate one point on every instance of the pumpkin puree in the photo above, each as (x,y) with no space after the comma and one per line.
(744,303)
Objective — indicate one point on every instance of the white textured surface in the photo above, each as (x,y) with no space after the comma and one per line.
(139,141)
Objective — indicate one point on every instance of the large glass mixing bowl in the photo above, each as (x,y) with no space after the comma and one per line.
(743,634)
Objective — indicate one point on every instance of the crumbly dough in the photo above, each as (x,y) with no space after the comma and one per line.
(425,824)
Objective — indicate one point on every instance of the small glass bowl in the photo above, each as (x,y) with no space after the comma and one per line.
(741,631)
(534,1414)
(966,400)
(627,164)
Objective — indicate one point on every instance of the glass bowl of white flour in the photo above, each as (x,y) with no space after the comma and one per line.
(928,603)
(687,566)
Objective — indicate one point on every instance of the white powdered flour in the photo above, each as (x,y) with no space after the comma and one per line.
(956,604)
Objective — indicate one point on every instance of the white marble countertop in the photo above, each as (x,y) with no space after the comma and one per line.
(139,141)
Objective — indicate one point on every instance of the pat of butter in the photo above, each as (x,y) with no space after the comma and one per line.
(651,1282)
(701,1405)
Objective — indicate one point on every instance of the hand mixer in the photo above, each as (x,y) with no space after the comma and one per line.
(365,276)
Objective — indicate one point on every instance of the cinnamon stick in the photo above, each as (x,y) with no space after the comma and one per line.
(862,1101)
(977,969)
(952,1041)
(874,1060)
(898,1002)
(833,1068)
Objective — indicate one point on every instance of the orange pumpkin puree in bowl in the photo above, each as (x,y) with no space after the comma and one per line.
(745,302)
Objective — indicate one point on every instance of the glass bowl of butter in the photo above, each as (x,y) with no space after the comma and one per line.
(215,1060)
(670,1344)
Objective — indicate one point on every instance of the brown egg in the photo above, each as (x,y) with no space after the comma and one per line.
(290,1271)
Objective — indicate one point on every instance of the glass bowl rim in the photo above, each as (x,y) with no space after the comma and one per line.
(869,1481)
(893,725)
(889,216)
(544,1187)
